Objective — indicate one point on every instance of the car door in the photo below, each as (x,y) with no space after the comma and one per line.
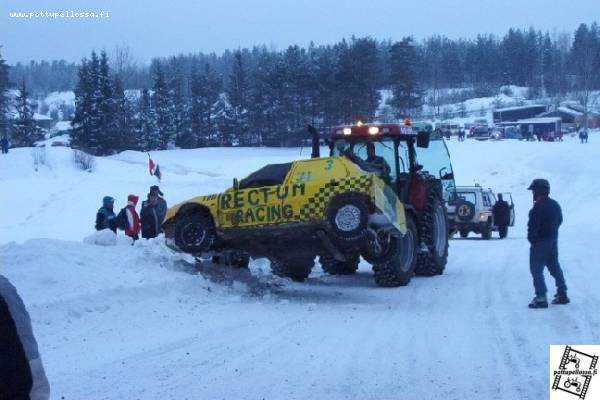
(508,197)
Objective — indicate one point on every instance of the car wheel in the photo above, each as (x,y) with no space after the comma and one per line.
(194,233)
(295,268)
(335,267)
(347,216)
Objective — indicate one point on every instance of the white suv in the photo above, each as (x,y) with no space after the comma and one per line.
(470,209)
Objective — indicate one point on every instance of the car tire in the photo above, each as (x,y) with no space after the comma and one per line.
(297,269)
(335,267)
(486,233)
(232,259)
(194,233)
(465,210)
(347,217)
(399,271)
(433,232)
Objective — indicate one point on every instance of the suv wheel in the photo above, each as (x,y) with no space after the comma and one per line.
(486,233)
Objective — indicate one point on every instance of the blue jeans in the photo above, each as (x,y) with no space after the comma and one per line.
(545,254)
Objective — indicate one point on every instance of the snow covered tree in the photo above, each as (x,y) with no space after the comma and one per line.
(204,95)
(86,123)
(237,93)
(3,97)
(161,109)
(406,97)
(586,61)
(125,135)
(146,131)
(25,132)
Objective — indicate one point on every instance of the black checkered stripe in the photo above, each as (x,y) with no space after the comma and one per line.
(315,206)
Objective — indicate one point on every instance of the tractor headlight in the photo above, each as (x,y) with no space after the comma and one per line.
(482,216)
(373,130)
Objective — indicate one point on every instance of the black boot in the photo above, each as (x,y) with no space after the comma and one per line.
(538,302)
(561,298)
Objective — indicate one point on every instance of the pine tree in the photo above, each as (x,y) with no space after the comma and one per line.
(237,93)
(161,109)
(3,97)
(145,128)
(110,135)
(84,130)
(403,78)
(25,132)
(126,137)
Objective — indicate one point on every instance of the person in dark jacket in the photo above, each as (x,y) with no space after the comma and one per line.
(105,218)
(501,216)
(4,144)
(378,163)
(161,204)
(149,217)
(22,374)
(542,232)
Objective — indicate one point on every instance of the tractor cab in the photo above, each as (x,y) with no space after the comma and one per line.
(398,155)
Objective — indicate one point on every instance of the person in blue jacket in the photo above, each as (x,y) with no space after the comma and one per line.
(106,218)
(542,232)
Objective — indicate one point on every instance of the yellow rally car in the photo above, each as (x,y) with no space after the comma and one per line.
(338,208)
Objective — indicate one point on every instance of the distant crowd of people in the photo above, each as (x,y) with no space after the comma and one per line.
(148,222)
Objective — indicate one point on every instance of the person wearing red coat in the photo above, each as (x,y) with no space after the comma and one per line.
(133,219)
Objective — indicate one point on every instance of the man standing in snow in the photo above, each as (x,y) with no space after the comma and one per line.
(501,216)
(22,374)
(151,222)
(542,232)
(4,144)
(161,204)
(105,218)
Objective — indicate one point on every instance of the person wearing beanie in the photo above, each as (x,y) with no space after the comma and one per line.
(133,219)
(149,216)
(161,204)
(105,218)
(542,233)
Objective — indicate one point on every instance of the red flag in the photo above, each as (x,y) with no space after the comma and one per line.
(150,165)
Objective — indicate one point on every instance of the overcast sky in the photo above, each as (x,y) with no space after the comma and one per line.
(169,27)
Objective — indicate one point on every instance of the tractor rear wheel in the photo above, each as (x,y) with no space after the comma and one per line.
(400,269)
(433,229)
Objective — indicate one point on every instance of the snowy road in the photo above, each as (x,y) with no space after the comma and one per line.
(138,322)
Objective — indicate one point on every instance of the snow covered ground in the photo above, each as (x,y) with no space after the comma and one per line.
(127,322)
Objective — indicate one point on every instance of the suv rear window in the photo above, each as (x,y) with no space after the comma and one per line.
(468,196)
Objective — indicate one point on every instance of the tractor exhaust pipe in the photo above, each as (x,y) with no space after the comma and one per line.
(315,142)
